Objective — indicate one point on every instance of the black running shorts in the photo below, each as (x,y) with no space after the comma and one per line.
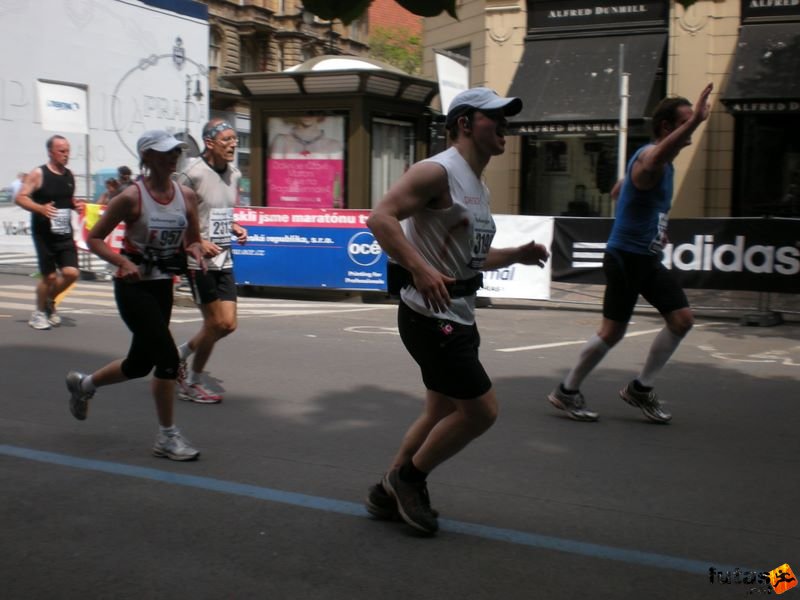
(446,352)
(212,285)
(628,275)
(54,253)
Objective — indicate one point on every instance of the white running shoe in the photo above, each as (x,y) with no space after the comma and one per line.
(39,320)
(174,447)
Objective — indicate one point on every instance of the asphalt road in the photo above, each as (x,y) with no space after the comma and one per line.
(318,395)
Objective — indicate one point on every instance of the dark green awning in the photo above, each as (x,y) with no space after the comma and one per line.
(765,72)
(577,79)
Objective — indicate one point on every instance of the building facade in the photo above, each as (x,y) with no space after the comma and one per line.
(565,58)
(248,36)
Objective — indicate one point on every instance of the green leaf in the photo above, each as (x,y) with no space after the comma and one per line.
(429,8)
(349,10)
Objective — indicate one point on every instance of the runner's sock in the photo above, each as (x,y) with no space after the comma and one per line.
(592,353)
(184,351)
(87,384)
(411,474)
(664,344)
(193,377)
(168,431)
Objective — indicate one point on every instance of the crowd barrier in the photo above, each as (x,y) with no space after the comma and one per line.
(333,249)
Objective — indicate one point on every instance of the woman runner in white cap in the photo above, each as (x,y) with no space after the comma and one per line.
(160,228)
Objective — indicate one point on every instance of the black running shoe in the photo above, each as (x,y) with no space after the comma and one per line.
(413,502)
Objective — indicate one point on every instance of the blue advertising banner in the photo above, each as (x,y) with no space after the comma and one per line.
(308,248)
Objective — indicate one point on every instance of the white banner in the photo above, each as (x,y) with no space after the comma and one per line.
(452,72)
(520,281)
(15,229)
(63,107)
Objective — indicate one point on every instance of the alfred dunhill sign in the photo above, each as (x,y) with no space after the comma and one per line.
(763,10)
(588,14)
(785,106)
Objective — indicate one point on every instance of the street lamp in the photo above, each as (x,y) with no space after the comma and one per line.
(198,95)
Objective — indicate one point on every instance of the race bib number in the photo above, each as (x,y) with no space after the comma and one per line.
(60,224)
(482,236)
(220,226)
(658,243)
(166,235)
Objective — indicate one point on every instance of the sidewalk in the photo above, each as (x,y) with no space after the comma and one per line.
(731,304)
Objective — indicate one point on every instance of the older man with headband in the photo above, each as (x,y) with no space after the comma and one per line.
(215,181)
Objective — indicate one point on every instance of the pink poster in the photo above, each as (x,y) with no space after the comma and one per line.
(305,162)
(304,183)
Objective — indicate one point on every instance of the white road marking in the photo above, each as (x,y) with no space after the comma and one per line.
(583,341)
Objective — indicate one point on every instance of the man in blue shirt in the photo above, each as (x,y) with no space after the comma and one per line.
(632,264)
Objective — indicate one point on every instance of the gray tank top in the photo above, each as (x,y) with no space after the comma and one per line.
(454,240)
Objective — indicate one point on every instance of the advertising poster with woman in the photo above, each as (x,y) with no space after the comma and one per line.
(305,162)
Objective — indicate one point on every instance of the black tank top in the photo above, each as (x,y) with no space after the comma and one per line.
(58,189)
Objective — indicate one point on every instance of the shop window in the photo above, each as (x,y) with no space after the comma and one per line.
(767,166)
(392,154)
(570,176)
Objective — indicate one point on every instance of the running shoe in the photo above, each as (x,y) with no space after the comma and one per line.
(52,316)
(198,392)
(39,320)
(648,402)
(78,399)
(382,506)
(573,404)
(174,447)
(412,502)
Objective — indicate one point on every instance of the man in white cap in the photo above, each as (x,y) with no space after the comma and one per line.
(443,245)
(215,181)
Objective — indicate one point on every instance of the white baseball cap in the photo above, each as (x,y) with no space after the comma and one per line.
(158,140)
(481,98)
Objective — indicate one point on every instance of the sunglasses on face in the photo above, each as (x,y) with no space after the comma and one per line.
(496,115)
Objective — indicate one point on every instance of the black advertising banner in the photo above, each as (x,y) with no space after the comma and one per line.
(717,254)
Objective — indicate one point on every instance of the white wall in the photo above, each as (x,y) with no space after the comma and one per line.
(123,50)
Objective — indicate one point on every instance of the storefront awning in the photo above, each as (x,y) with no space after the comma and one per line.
(575,80)
(765,73)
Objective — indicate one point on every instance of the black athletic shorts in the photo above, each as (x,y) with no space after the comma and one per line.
(446,352)
(212,285)
(55,253)
(628,275)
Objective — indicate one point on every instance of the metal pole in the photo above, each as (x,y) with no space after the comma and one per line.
(188,95)
(88,161)
(622,145)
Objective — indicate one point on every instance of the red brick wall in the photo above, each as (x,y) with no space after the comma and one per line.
(388,13)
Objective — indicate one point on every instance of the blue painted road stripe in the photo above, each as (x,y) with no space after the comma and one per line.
(511,536)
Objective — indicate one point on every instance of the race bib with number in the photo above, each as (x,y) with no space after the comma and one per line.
(165,235)
(220,226)
(482,235)
(60,224)
(660,240)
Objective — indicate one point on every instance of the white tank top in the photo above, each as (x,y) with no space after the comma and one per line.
(159,230)
(454,240)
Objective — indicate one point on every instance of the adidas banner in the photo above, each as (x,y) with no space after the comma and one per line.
(719,254)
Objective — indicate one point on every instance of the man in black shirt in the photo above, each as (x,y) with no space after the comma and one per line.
(48,194)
